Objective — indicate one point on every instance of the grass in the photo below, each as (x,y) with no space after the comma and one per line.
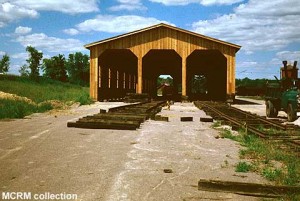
(272,174)
(18,109)
(277,165)
(266,159)
(243,167)
(40,92)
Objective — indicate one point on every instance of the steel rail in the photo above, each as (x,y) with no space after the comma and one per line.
(249,128)
(277,125)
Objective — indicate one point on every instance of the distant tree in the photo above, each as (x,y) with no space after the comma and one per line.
(78,68)
(34,61)
(164,80)
(4,64)
(252,82)
(199,84)
(24,70)
(55,68)
(169,80)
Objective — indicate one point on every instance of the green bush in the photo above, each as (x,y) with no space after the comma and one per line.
(84,99)
(45,106)
(16,109)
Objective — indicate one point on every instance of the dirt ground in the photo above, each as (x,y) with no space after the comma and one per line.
(40,154)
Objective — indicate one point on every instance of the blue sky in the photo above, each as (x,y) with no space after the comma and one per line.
(268,31)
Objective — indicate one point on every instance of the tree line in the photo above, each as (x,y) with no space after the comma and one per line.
(74,69)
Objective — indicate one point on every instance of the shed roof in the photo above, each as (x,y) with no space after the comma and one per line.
(158,26)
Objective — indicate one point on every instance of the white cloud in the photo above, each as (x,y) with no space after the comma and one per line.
(289,55)
(117,24)
(65,6)
(262,69)
(247,64)
(10,12)
(202,2)
(71,31)
(256,25)
(22,56)
(129,5)
(269,8)
(266,69)
(2,53)
(50,44)
(22,30)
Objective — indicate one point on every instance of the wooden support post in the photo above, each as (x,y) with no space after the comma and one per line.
(140,76)
(94,74)
(233,76)
(183,76)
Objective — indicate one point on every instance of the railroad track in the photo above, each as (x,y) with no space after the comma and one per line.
(128,117)
(264,128)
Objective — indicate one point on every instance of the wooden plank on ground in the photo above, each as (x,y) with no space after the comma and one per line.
(253,189)
(109,121)
(117,117)
(206,119)
(93,125)
(186,118)
(160,118)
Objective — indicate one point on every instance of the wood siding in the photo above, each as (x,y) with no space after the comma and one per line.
(162,38)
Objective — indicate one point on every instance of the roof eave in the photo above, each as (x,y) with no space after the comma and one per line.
(88,46)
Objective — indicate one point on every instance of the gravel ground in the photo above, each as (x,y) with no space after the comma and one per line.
(189,149)
(40,154)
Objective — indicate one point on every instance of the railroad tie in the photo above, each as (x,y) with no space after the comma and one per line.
(128,117)
(186,118)
(206,119)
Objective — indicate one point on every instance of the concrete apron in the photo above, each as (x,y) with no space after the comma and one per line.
(167,160)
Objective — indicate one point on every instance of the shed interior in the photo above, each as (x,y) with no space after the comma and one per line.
(118,73)
(210,64)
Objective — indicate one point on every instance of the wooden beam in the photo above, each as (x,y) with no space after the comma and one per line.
(253,189)
(140,75)
(183,76)
(186,118)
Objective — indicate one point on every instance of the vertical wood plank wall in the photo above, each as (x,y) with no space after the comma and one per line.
(161,38)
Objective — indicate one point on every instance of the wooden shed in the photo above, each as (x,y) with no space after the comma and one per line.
(132,62)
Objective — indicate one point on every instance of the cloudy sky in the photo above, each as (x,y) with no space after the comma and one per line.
(268,31)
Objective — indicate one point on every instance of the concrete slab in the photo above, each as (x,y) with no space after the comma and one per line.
(189,149)
(40,154)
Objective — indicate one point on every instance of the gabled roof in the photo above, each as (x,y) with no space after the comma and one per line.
(157,26)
